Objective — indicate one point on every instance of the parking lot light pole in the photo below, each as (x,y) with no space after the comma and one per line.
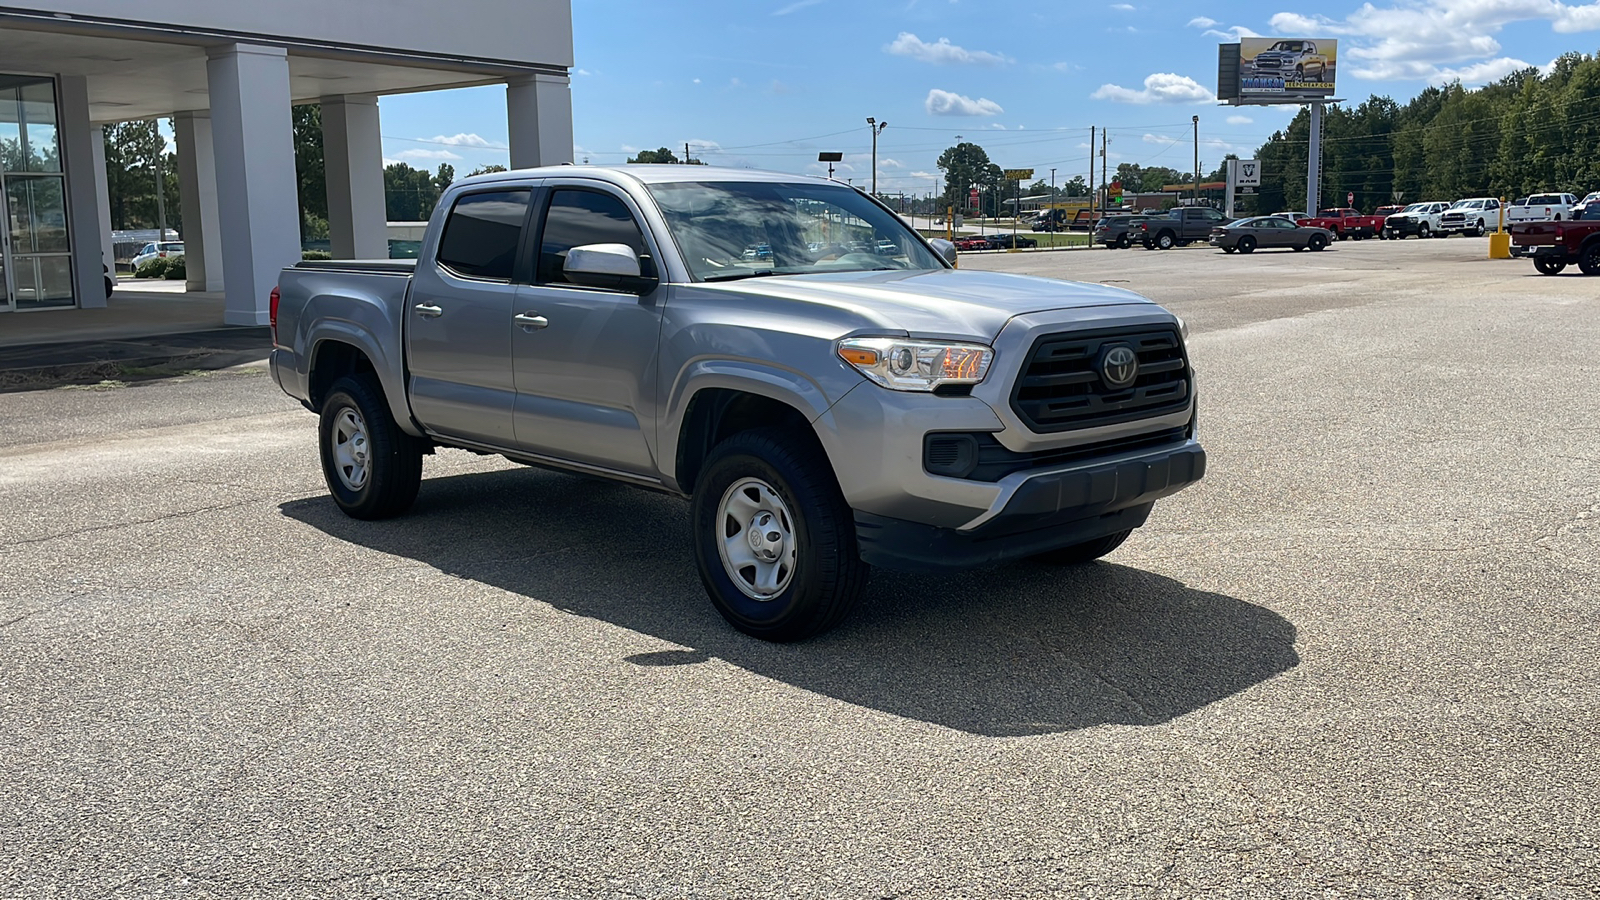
(874,126)
(1197,160)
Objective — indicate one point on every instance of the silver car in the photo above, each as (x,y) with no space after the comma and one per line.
(1246,235)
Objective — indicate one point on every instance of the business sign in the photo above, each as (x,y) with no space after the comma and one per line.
(972,197)
(1244,172)
(1287,70)
(1018,174)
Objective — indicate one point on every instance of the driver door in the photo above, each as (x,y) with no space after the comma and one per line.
(584,358)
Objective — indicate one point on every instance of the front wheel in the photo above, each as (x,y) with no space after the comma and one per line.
(1247,244)
(373,469)
(774,540)
(1124,242)
(1423,231)
(1088,551)
(1549,266)
(1317,242)
(1589,259)
(1479,229)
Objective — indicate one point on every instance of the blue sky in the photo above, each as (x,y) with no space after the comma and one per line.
(768,84)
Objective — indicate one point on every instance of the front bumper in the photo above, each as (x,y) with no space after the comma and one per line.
(1044,511)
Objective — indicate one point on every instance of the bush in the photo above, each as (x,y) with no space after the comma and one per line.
(177,270)
(153,268)
(315,254)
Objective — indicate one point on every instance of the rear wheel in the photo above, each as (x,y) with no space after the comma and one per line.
(1549,266)
(1247,244)
(1124,242)
(373,469)
(774,539)
(1165,241)
(1088,551)
(1317,242)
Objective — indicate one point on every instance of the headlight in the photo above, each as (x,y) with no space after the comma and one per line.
(916,365)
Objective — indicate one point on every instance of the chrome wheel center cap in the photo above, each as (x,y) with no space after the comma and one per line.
(764,538)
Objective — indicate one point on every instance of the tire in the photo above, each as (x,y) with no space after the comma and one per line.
(1548,266)
(373,469)
(1247,244)
(769,479)
(1479,230)
(1124,242)
(1589,259)
(1229,249)
(1086,552)
(1316,243)
(1341,236)
(1424,231)
(110,286)
(1165,241)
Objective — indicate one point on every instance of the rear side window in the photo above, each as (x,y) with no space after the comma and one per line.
(480,237)
(578,217)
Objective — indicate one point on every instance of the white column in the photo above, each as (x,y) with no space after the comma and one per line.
(197,185)
(102,199)
(539,116)
(253,139)
(83,215)
(352,152)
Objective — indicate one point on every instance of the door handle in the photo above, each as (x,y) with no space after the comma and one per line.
(531,321)
(428,310)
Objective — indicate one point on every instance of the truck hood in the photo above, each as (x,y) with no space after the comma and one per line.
(936,303)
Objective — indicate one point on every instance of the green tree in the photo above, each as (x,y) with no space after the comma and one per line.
(662,155)
(483,170)
(310,169)
(134,153)
(964,166)
(445,177)
(409,194)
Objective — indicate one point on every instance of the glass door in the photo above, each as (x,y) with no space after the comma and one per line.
(35,253)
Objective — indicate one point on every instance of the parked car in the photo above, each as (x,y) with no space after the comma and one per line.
(886,247)
(157,250)
(1006,241)
(1346,223)
(1420,219)
(1555,245)
(1541,208)
(111,280)
(1180,227)
(1293,216)
(819,417)
(972,242)
(1474,216)
(1268,231)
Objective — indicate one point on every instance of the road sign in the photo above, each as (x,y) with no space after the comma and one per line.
(1350,199)
(1018,174)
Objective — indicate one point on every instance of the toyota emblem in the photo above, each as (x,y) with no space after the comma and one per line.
(1120,366)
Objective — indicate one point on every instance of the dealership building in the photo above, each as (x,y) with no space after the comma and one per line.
(228,71)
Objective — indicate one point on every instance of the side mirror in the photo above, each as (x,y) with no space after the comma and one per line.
(945,249)
(610,266)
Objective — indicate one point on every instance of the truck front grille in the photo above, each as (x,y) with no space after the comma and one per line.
(1062,387)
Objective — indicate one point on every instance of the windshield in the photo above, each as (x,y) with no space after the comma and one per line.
(728,230)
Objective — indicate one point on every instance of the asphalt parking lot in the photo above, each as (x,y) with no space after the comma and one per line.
(1357,660)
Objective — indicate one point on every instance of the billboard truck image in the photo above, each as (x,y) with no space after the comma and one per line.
(1287,69)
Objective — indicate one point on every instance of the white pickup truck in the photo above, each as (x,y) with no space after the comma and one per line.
(1542,208)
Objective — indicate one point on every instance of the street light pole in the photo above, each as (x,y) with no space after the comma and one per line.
(874,126)
(1197,160)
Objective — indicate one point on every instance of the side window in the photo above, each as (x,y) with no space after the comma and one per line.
(480,237)
(579,217)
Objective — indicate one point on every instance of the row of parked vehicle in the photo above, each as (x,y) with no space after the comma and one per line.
(1002,241)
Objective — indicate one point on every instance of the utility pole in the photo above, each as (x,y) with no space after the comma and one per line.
(686,153)
(1197,160)
(161,184)
(876,127)
(1092,218)
(1105,141)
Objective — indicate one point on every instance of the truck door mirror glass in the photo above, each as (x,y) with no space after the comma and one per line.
(945,249)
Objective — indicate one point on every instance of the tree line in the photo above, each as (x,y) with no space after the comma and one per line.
(1527,133)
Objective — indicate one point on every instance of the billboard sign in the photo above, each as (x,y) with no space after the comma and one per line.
(1287,70)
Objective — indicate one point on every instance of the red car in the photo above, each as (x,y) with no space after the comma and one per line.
(972,243)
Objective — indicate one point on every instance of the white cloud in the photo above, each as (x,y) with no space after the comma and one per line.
(699,146)
(1202,22)
(1428,41)
(890,164)
(1123,7)
(796,7)
(421,154)
(1162,87)
(466,139)
(1159,139)
(945,103)
(942,52)
(584,72)
(390,162)
(921,174)
(697,81)
(1240,120)
(1233,33)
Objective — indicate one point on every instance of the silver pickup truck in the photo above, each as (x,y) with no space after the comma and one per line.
(824,386)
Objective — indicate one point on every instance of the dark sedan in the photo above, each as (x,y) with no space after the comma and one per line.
(1246,235)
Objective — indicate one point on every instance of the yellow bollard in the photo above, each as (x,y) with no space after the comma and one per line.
(1500,242)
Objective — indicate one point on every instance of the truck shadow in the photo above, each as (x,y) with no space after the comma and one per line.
(1017,650)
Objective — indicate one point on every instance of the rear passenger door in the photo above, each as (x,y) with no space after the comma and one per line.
(585,357)
(458,318)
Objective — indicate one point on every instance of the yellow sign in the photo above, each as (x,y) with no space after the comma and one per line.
(1018,174)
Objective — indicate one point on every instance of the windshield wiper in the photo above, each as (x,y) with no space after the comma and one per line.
(735,276)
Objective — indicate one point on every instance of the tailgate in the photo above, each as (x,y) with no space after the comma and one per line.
(1534,234)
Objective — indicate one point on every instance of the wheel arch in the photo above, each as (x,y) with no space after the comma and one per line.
(724,399)
(336,353)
